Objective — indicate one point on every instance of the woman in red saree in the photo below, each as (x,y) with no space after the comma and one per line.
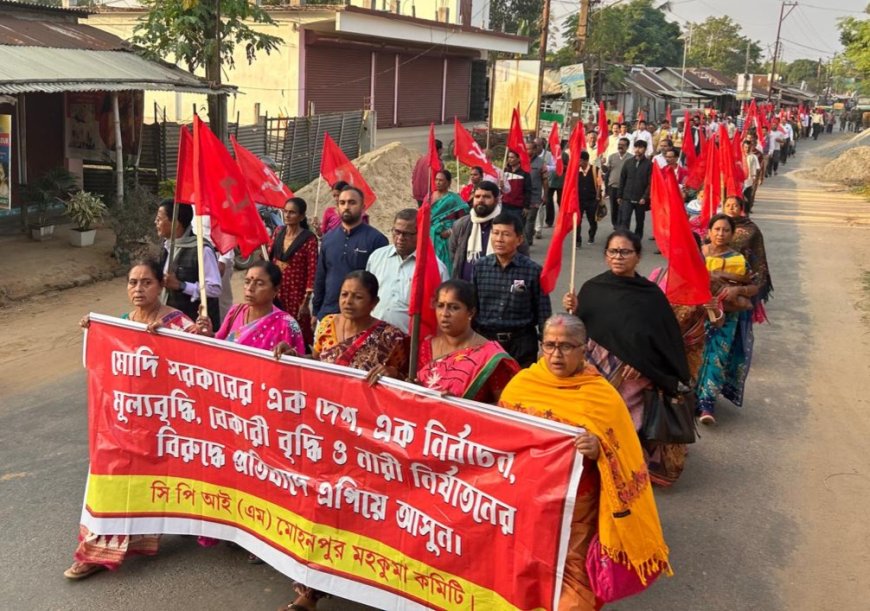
(458,361)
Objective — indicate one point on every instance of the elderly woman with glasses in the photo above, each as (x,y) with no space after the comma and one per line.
(614,499)
(634,338)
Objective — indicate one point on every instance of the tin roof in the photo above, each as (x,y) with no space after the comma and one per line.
(25,69)
(56,34)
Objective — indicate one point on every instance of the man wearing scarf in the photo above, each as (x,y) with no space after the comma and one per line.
(470,238)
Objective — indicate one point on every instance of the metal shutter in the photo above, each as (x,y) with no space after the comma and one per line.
(458,88)
(385,79)
(420,90)
(337,79)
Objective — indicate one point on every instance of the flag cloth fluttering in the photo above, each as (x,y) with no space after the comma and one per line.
(468,151)
(221,192)
(556,148)
(263,184)
(712,182)
(435,164)
(184,187)
(668,113)
(688,280)
(335,166)
(517,143)
(569,206)
(603,136)
(426,276)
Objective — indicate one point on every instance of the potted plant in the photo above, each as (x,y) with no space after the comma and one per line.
(84,209)
(50,189)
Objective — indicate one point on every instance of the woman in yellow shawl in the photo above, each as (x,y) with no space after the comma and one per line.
(614,497)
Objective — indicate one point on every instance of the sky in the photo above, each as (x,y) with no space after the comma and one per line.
(810,31)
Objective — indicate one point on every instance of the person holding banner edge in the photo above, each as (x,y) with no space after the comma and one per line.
(457,361)
(615,515)
(96,553)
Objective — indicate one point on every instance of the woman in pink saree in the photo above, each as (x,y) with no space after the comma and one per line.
(457,361)
(258,322)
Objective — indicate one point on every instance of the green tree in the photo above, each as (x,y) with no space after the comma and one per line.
(635,33)
(204,34)
(517,16)
(718,43)
(804,70)
(855,36)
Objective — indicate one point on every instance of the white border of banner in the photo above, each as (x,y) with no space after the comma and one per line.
(349,588)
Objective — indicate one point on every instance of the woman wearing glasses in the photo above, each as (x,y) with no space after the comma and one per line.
(614,499)
(634,338)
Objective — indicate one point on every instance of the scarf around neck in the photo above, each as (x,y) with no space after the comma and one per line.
(474,250)
(628,520)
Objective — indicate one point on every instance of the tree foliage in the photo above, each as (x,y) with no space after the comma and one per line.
(634,33)
(185,30)
(718,43)
(803,70)
(855,36)
(517,16)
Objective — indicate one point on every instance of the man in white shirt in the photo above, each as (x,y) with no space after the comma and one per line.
(753,171)
(773,145)
(664,146)
(641,133)
(789,138)
(393,266)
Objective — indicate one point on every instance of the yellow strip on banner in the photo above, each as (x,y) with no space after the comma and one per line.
(337,551)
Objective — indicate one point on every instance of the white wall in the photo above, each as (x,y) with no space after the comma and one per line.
(428,9)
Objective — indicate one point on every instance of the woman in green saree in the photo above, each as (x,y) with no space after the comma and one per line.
(447,208)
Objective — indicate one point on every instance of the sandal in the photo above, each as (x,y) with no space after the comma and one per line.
(707,418)
(82,570)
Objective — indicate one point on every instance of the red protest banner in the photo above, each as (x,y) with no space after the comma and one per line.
(388,494)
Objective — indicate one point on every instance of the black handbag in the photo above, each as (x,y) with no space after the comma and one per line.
(668,418)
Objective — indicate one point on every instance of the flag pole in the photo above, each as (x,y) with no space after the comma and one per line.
(200,260)
(164,295)
(415,318)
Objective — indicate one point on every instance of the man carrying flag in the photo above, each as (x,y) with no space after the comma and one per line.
(421,178)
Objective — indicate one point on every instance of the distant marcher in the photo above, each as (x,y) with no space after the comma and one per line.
(589,187)
(342,251)
(421,178)
(447,208)
(613,171)
(519,199)
(394,266)
(634,183)
(512,305)
(295,250)
(182,280)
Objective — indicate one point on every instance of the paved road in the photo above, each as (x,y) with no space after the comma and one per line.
(769,515)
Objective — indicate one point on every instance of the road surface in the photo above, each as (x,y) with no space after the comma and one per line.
(770,513)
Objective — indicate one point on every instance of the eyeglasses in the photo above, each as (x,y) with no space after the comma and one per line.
(615,253)
(398,233)
(562,347)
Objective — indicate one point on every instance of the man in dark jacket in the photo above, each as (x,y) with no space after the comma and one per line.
(634,182)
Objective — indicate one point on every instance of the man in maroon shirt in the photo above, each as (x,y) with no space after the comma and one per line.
(421,181)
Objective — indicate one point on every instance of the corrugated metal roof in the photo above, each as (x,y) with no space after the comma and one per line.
(56,34)
(25,69)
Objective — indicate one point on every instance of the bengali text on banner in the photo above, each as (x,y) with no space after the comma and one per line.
(391,495)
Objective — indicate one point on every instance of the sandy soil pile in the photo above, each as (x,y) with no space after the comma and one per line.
(387,169)
(852,168)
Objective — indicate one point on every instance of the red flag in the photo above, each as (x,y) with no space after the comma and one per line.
(222,193)
(426,276)
(263,184)
(712,182)
(335,166)
(621,118)
(750,113)
(727,163)
(695,175)
(468,151)
(739,169)
(556,148)
(668,113)
(688,279)
(517,143)
(184,188)
(603,135)
(569,207)
(435,164)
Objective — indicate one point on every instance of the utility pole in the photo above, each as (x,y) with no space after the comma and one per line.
(782,16)
(582,28)
(746,65)
(542,57)
(686,44)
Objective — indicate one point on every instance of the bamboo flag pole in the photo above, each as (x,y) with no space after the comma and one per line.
(200,260)
(415,318)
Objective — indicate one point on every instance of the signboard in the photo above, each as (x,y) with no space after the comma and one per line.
(515,84)
(392,494)
(90,133)
(5,162)
(573,81)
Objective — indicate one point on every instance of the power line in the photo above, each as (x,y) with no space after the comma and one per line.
(830,8)
(827,53)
